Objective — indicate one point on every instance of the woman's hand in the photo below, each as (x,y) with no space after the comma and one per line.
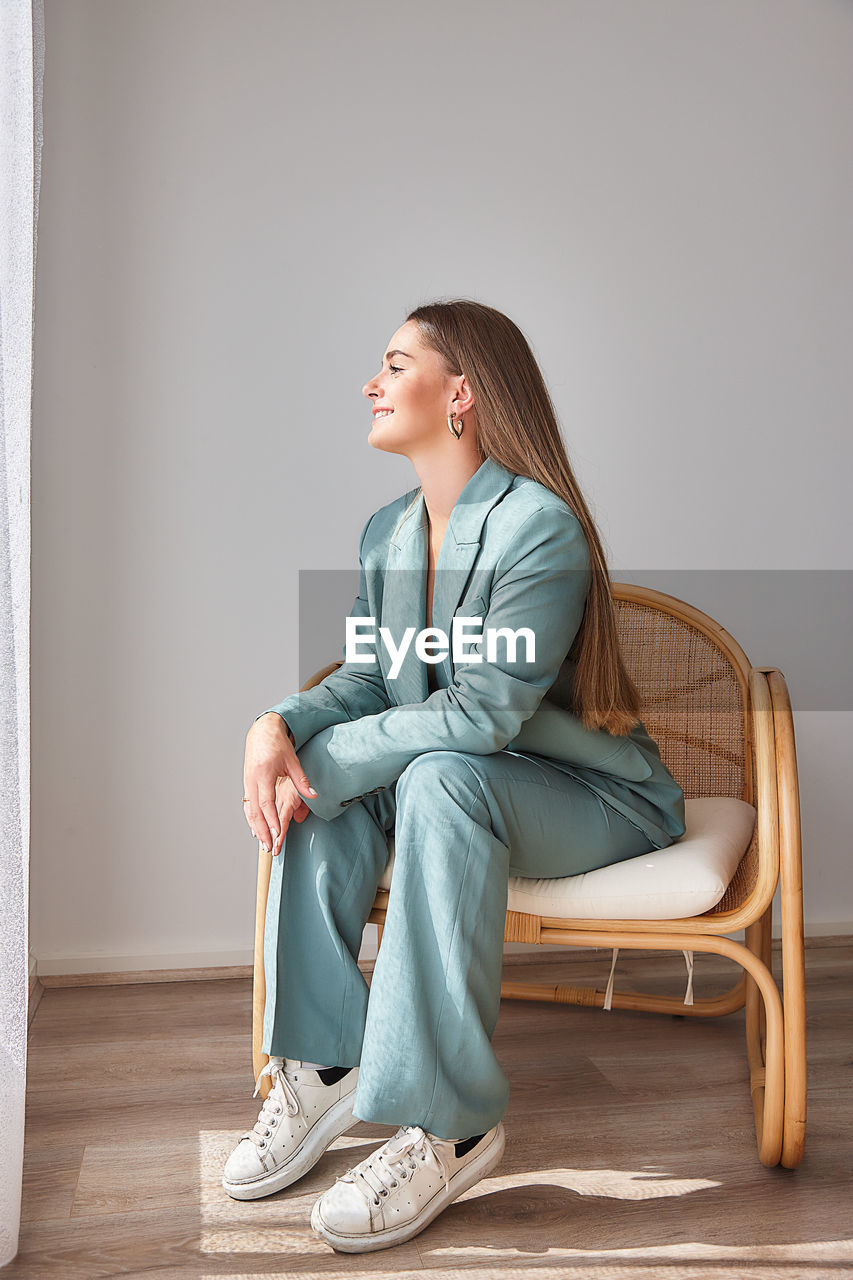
(272,780)
(289,804)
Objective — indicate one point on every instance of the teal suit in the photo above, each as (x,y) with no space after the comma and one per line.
(488,776)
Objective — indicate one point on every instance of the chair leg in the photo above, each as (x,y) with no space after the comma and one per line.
(757,937)
(794,994)
(259,1058)
(793,946)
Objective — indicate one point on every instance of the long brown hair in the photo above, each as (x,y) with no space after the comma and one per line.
(517,427)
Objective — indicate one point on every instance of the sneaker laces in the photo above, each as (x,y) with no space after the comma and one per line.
(398,1158)
(282,1091)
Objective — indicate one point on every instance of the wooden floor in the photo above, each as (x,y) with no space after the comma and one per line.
(630,1144)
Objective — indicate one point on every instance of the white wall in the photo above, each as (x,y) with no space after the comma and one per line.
(239,204)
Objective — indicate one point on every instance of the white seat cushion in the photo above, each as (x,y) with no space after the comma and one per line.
(685,879)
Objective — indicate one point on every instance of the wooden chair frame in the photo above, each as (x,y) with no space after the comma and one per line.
(775,1023)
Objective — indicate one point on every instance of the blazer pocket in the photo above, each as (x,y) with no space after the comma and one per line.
(476,607)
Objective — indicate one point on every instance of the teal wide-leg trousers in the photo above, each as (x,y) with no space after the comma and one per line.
(421,1032)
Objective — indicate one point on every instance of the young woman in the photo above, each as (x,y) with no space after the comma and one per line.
(485,759)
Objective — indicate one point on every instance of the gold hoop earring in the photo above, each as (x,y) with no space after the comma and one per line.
(450,418)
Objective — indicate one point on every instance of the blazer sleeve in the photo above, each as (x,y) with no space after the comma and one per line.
(348,693)
(540,582)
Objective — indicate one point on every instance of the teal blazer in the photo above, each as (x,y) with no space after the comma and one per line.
(513,555)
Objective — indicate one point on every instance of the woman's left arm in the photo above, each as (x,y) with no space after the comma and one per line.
(540,583)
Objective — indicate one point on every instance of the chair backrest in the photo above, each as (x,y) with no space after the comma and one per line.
(693,680)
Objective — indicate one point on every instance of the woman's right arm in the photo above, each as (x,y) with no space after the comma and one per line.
(272,776)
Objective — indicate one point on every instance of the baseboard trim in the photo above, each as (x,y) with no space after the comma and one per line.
(123,976)
(35,993)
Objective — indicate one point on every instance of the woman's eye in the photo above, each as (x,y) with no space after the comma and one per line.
(395,368)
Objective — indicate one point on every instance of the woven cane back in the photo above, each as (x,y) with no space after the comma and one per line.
(694,704)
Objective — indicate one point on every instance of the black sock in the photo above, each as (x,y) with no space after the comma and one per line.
(331,1075)
(464,1145)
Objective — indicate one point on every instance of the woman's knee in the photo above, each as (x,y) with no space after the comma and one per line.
(436,777)
(431,768)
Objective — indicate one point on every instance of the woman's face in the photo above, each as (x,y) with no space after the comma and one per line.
(418,395)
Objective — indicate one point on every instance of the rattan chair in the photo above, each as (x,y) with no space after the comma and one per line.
(724,729)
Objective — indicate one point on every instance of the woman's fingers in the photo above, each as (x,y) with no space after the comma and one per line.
(270,760)
(281,810)
(267,825)
(283,740)
(250,811)
(289,804)
(284,807)
(297,775)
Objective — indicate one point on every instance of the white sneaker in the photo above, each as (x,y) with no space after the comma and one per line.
(400,1187)
(300,1118)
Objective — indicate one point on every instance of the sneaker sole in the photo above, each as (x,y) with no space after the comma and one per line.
(330,1125)
(465,1178)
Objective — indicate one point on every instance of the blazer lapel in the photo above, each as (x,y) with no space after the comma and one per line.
(404,591)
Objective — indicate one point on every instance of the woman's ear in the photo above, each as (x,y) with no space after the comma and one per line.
(464,398)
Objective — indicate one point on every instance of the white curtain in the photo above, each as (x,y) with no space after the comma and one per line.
(21,71)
